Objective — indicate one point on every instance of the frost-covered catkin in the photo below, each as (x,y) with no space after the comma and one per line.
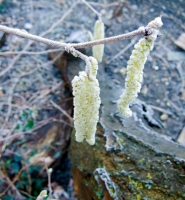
(98,34)
(86,93)
(135,68)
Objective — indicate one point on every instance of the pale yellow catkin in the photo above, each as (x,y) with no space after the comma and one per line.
(98,50)
(135,68)
(86,93)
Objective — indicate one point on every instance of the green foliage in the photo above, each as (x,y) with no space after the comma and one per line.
(99,194)
(13,164)
(26,120)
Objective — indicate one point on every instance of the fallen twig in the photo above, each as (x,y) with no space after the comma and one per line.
(41,35)
(161,110)
(63,111)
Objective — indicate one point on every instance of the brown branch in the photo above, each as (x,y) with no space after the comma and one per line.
(49,179)
(24,34)
(11,183)
(70,47)
(62,111)
(28,52)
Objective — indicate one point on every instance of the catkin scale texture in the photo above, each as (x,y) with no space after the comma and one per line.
(135,73)
(86,105)
(98,50)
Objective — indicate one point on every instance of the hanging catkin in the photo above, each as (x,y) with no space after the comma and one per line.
(135,68)
(98,34)
(86,93)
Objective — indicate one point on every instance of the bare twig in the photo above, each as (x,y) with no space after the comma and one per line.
(49,179)
(122,51)
(161,109)
(77,53)
(64,122)
(29,186)
(29,52)
(16,105)
(63,111)
(41,124)
(97,13)
(31,12)
(178,109)
(103,5)
(180,71)
(22,33)
(70,47)
(10,102)
(28,195)
(11,183)
(44,122)
(33,99)
(14,85)
(41,35)
(163,59)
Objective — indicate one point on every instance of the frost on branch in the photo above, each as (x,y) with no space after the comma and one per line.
(98,34)
(135,68)
(156,23)
(86,93)
(94,66)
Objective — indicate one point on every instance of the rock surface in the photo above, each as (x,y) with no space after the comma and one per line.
(129,160)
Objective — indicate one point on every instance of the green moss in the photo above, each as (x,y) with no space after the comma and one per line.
(111,190)
(99,193)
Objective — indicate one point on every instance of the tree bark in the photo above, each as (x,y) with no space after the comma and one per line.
(130,159)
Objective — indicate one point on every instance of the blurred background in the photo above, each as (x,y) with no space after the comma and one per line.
(36,105)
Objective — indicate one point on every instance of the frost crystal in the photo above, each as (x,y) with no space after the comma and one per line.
(135,68)
(94,66)
(156,23)
(98,34)
(86,104)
